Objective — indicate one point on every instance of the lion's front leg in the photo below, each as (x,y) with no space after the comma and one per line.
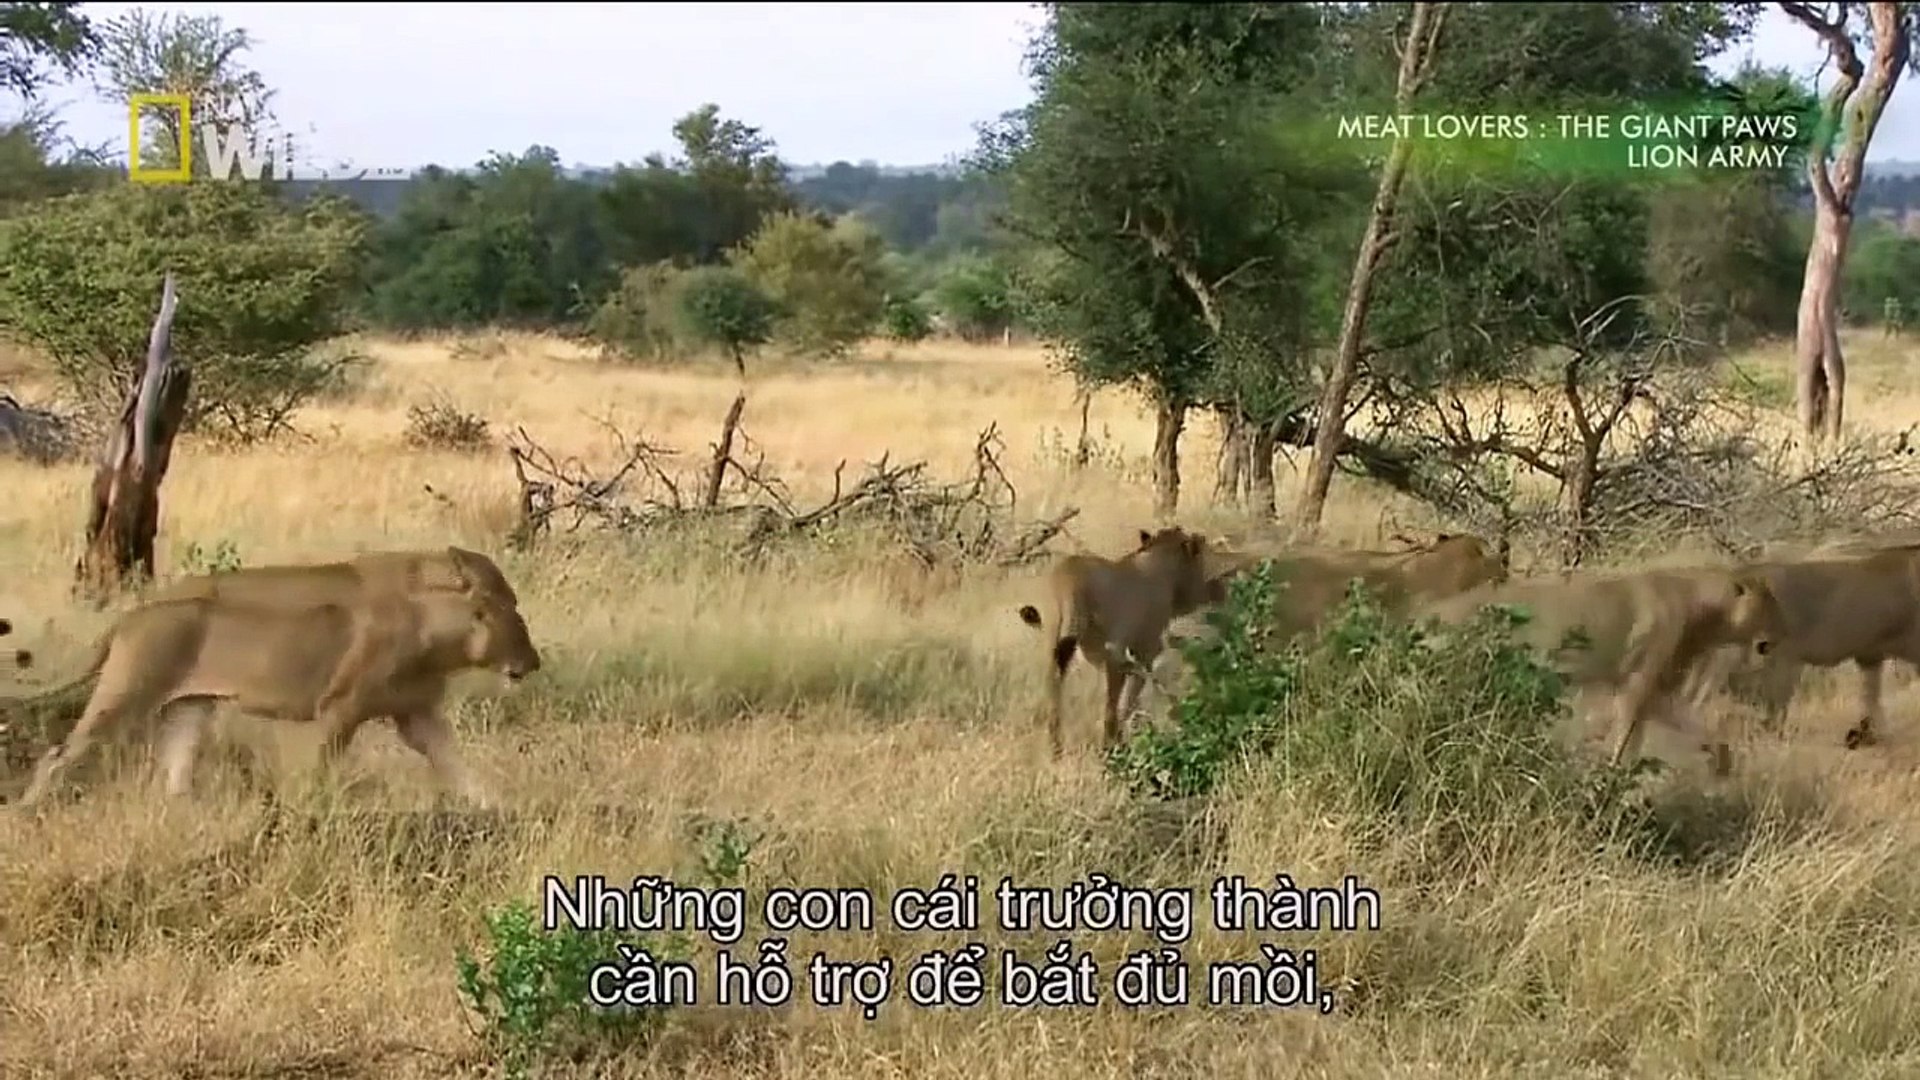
(353,692)
(428,734)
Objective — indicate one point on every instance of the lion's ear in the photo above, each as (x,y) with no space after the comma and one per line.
(463,568)
(1146,538)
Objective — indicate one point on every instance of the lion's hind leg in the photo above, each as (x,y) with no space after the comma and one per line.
(183,726)
(119,696)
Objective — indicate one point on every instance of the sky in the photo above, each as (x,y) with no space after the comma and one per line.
(397,85)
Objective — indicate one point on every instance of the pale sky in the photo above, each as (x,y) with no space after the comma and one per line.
(402,85)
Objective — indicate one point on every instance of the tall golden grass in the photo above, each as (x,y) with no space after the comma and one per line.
(879,725)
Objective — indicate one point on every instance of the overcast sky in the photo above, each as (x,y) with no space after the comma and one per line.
(399,85)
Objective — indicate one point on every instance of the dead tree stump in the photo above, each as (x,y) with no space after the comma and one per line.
(125,514)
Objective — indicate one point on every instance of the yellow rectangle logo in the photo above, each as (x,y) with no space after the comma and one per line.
(147,175)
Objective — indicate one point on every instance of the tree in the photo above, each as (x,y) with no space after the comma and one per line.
(1478,283)
(29,170)
(727,181)
(124,515)
(1169,211)
(1724,256)
(1850,111)
(825,278)
(516,242)
(196,55)
(260,283)
(37,38)
(1416,64)
(718,305)
(974,294)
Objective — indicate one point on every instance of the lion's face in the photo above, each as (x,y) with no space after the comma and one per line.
(1754,614)
(499,639)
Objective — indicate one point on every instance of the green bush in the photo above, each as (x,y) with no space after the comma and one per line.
(826,278)
(530,995)
(1399,725)
(636,320)
(260,284)
(904,319)
(721,307)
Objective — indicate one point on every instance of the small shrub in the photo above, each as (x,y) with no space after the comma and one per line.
(635,321)
(530,994)
(1410,728)
(222,557)
(904,319)
(719,306)
(439,424)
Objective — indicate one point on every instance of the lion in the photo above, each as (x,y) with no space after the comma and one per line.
(1644,633)
(370,574)
(1313,581)
(337,664)
(1115,612)
(1849,600)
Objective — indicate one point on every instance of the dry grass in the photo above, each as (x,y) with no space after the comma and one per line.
(879,726)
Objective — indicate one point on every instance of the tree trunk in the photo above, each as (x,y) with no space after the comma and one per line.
(739,361)
(1854,103)
(1261,447)
(1083,448)
(125,515)
(1820,370)
(1233,457)
(1169,419)
(1581,473)
(1416,61)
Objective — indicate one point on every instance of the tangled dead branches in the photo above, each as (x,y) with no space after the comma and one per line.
(38,435)
(969,521)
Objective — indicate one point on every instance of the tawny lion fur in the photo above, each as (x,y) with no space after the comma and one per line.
(21,658)
(1115,613)
(1644,633)
(1855,600)
(338,664)
(1311,582)
(370,575)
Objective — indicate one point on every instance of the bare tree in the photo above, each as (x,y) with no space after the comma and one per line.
(197,55)
(125,516)
(1416,63)
(1855,101)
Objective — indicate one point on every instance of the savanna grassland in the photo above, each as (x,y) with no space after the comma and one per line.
(866,723)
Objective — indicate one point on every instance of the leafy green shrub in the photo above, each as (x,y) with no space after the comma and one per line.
(827,279)
(260,284)
(904,319)
(636,319)
(721,307)
(222,557)
(1444,731)
(530,995)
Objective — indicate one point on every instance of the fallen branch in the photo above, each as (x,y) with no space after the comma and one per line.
(969,521)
